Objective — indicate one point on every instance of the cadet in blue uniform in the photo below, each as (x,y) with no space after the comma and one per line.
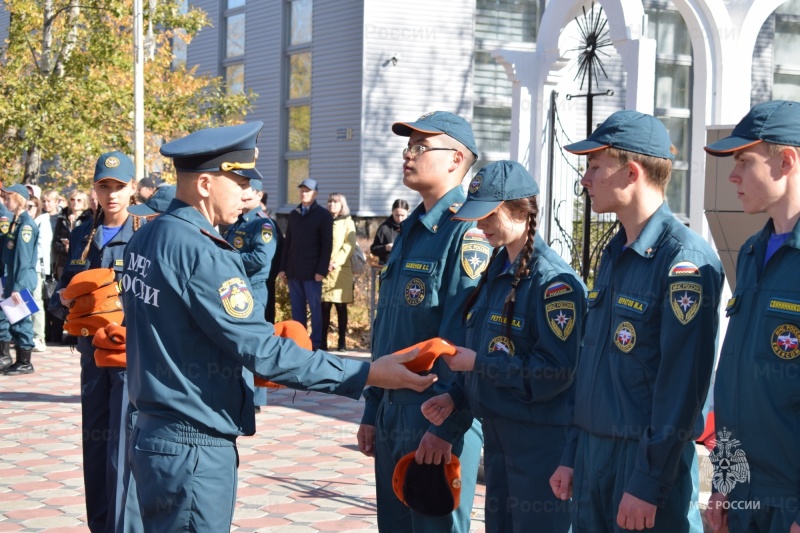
(104,393)
(524,328)
(253,236)
(756,400)
(434,264)
(5,223)
(650,338)
(20,251)
(192,323)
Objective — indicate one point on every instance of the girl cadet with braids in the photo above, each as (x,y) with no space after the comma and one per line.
(104,394)
(524,326)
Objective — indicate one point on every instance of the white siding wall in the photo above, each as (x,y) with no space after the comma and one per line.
(336,93)
(5,20)
(434,72)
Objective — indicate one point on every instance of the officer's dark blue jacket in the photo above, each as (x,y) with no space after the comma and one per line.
(20,251)
(756,391)
(424,288)
(254,236)
(193,323)
(649,348)
(526,376)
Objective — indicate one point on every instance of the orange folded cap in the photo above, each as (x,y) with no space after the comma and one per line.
(288,329)
(431,490)
(105,298)
(429,351)
(110,337)
(110,358)
(86,326)
(88,281)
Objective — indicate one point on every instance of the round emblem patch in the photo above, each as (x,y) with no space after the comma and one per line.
(502,344)
(238,242)
(625,337)
(415,291)
(236,298)
(112,162)
(784,341)
(475,184)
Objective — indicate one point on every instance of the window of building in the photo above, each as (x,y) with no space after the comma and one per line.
(233,62)
(673,93)
(298,97)
(786,62)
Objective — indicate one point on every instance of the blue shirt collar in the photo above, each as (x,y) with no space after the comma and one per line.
(439,212)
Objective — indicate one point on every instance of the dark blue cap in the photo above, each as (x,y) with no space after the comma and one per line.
(440,122)
(229,148)
(630,131)
(155,204)
(494,184)
(776,122)
(19,189)
(115,166)
(257,185)
(310,183)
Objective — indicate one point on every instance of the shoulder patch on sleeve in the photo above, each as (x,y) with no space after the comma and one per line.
(236,298)
(266,232)
(684,268)
(556,289)
(475,253)
(26,233)
(561,318)
(685,298)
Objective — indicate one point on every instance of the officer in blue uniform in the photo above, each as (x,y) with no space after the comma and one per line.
(104,391)
(756,401)
(645,366)
(193,323)
(5,224)
(524,330)
(434,265)
(19,259)
(253,235)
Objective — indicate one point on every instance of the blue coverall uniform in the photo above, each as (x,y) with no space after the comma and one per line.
(643,375)
(434,265)
(521,386)
(756,399)
(193,322)
(20,253)
(104,393)
(253,235)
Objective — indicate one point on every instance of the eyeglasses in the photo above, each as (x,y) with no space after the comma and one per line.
(31,206)
(418,149)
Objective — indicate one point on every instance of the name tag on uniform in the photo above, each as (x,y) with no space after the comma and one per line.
(629,303)
(784,306)
(119,262)
(498,319)
(424,267)
(78,262)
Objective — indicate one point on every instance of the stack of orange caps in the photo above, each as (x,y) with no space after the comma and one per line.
(95,302)
(109,346)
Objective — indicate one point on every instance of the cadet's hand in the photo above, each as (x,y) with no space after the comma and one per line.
(635,513)
(438,408)
(318,278)
(433,450)
(366,439)
(281,275)
(716,513)
(462,361)
(388,372)
(16,298)
(795,528)
(561,482)
(64,301)
(389,247)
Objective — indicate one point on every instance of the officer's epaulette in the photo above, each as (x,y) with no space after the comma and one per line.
(262,214)
(455,207)
(220,241)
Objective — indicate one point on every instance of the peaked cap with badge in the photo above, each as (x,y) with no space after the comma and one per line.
(116,166)
(494,184)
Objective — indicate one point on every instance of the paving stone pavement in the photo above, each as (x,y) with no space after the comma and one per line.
(300,473)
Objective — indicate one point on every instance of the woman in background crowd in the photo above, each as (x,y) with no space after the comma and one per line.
(337,287)
(388,230)
(42,220)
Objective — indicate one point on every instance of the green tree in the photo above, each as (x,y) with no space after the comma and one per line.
(66,85)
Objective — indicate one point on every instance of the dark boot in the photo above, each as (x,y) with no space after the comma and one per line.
(5,355)
(326,324)
(22,366)
(341,313)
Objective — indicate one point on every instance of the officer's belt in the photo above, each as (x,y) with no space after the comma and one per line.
(408,396)
(181,432)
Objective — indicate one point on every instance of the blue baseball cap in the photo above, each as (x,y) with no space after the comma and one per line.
(630,131)
(114,165)
(19,189)
(440,122)
(776,122)
(156,204)
(227,149)
(494,184)
(309,183)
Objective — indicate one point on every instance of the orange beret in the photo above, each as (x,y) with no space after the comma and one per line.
(105,298)
(288,329)
(429,351)
(431,490)
(109,346)
(86,326)
(110,358)
(88,281)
